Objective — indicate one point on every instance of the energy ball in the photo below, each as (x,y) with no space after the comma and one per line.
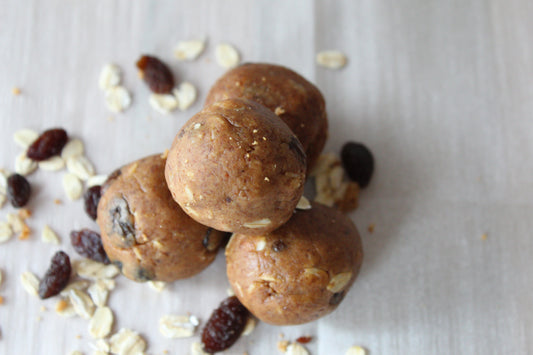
(290,96)
(301,271)
(145,232)
(236,167)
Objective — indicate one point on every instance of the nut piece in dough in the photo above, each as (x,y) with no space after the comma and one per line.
(290,96)
(301,272)
(145,232)
(236,167)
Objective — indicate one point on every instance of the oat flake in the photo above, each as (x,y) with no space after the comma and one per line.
(356,350)
(117,99)
(197,349)
(5,232)
(157,285)
(163,103)
(25,137)
(82,303)
(73,148)
(1,277)
(30,282)
(55,163)
(93,270)
(126,342)
(99,293)
(96,180)
(258,224)
(189,50)
(250,326)
(186,95)
(109,76)
(76,285)
(24,165)
(331,59)
(296,349)
(172,326)
(81,167)
(72,186)
(227,56)
(49,236)
(303,204)
(101,322)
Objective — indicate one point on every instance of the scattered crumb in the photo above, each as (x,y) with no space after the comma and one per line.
(283,345)
(61,305)
(371,227)
(58,201)
(111,118)
(25,233)
(78,336)
(43,309)
(484,236)
(38,318)
(15,91)
(1,300)
(279,111)
(24,213)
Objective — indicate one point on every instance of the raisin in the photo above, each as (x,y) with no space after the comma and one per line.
(144,275)
(56,277)
(18,190)
(91,199)
(336,298)
(358,162)
(156,74)
(304,339)
(278,246)
(88,243)
(49,143)
(123,221)
(213,241)
(224,326)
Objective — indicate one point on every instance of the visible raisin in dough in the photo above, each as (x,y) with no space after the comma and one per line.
(295,100)
(236,167)
(146,232)
(299,272)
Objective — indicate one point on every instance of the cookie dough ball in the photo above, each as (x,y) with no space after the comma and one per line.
(299,272)
(236,167)
(145,232)
(290,96)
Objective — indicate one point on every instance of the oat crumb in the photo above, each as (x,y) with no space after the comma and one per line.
(484,236)
(283,345)
(24,213)
(25,233)
(267,179)
(165,154)
(15,91)
(371,227)
(42,309)
(38,318)
(61,305)
(1,300)
(78,336)
(58,201)
(279,111)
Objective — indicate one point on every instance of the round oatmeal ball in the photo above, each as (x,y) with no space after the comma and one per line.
(145,232)
(295,100)
(301,271)
(236,167)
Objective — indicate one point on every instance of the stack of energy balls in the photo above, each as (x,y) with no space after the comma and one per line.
(238,167)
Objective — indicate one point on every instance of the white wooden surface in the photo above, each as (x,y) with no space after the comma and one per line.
(441,91)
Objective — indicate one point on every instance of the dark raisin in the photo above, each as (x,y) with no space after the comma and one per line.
(214,239)
(91,199)
(143,275)
(304,339)
(118,264)
(56,277)
(123,221)
(18,190)
(337,298)
(278,246)
(358,162)
(296,146)
(156,74)
(88,243)
(224,326)
(49,143)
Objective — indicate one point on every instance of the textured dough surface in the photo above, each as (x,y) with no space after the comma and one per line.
(295,100)
(145,232)
(236,167)
(299,272)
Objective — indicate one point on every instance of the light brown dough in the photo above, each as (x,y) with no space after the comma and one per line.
(145,232)
(295,100)
(236,167)
(299,272)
